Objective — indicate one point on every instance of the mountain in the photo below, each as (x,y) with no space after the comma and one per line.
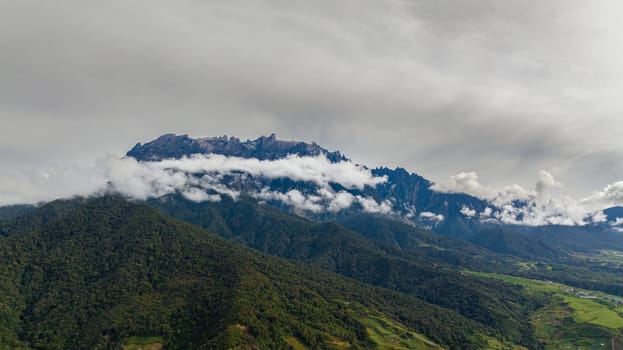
(106,272)
(265,147)
(239,270)
(410,191)
(410,194)
(334,248)
(613,214)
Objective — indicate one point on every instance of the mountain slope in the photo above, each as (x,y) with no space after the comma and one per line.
(110,270)
(614,213)
(410,239)
(336,249)
(11,211)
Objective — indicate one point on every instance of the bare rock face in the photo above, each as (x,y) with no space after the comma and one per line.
(264,148)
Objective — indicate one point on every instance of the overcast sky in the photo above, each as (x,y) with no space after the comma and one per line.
(501,88)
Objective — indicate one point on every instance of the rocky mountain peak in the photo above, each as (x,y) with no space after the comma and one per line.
(263,148)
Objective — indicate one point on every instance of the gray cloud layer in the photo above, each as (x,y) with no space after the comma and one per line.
(503,88)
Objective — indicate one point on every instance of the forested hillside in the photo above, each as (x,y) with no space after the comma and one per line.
(334,248)
(108,272)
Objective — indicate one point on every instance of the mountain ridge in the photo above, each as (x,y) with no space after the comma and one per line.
(109,269)
(410,193)
(263,148)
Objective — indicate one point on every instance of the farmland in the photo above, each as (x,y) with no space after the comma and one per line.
(576,318)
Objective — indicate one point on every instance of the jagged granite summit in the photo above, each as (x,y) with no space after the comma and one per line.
(264,148)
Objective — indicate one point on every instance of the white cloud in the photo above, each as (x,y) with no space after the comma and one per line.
(372,206)
(486,213)
(199,195)
(466,182)
(341,200)
(318,169)
(617,222)
(36,185)
(427,215)
(200,178)
(543,211)
(294,198)
(411,211)
(324,200)
(541,206)
(465,210)
(546,181)
(611,195)
(599,217)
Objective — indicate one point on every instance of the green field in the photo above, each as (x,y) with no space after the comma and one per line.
(576,319)
(385,332)
(495,344)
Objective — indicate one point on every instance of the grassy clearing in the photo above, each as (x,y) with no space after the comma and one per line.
(590,311)
(526,265)
(391,335)
(340,344)
(143,343)
(295,343)
(576,319)
(494,344)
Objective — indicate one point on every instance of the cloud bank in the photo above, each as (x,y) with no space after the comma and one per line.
(328,187)
(204,178)
(431,217)
(543,205)
(609,196)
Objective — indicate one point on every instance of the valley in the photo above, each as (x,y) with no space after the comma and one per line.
(575,319)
